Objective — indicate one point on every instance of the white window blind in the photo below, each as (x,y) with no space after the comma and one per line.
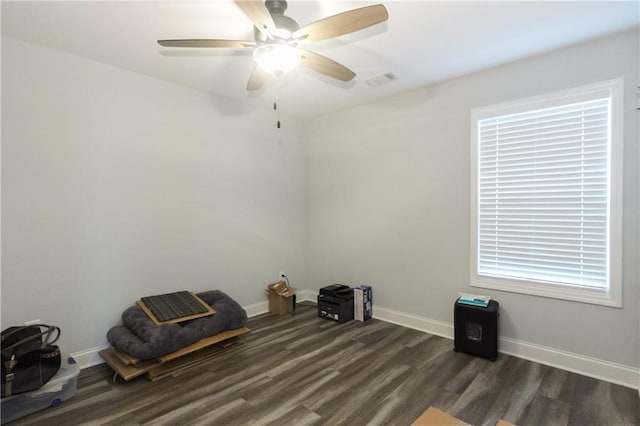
(543,195)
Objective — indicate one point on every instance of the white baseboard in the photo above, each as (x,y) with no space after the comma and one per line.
(307,296)
(415,322)
(592,367)
(256,309)
(600,369)
(89,358)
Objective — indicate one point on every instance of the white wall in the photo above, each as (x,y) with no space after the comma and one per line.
(389,196)
(116,186)
(638,132)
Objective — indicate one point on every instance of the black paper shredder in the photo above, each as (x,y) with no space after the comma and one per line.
(476,329)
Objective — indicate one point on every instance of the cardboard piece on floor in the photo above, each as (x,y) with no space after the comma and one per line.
(435,417)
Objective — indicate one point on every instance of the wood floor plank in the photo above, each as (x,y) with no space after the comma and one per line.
(356,407)
(519,388)
(235,412)
(411,398)
(299,369)
(472,405)
(283,399)
(299,415)
(545,411)
(624,402)
(558,384)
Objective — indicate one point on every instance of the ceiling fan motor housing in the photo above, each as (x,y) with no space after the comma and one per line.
(276,6)
(284,24)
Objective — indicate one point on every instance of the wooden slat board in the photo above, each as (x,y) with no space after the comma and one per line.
(129,367)
(207,341)
(125,358)
(210,311)
(127,372)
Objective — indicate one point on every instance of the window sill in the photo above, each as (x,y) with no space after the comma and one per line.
(574,294)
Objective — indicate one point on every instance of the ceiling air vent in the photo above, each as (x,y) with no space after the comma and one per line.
(381,79)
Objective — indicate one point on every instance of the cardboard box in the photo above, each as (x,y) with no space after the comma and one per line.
(282,298)
(362,303)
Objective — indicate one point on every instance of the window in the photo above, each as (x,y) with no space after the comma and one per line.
(546,195)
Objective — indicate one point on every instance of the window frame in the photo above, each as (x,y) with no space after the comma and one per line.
(612,296)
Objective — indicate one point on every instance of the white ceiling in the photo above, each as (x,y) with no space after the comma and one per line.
(423,42)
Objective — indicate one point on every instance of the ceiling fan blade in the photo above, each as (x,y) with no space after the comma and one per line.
(343,23)
(206,43)
(258,13)
(257,79)
(326,66)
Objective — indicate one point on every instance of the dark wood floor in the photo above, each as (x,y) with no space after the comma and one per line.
(298,369)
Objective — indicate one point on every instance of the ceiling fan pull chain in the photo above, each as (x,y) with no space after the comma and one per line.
(276,104)
(277,110)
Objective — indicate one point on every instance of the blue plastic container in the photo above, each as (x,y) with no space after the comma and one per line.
(61,387)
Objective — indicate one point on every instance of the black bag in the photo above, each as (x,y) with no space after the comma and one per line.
(29,358)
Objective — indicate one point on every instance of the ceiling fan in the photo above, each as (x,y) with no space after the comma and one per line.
(277,37)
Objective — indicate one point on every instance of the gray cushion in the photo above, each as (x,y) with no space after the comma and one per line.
(140,337)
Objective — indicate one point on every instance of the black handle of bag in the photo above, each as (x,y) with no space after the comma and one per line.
(46,341)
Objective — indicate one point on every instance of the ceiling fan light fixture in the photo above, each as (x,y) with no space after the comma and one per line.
(276,58)
(276,38)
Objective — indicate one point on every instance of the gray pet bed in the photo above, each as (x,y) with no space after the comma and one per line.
(142,338)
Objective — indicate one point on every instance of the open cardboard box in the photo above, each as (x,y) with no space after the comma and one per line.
(281,298)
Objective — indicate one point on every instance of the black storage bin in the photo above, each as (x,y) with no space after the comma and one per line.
(476,329)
